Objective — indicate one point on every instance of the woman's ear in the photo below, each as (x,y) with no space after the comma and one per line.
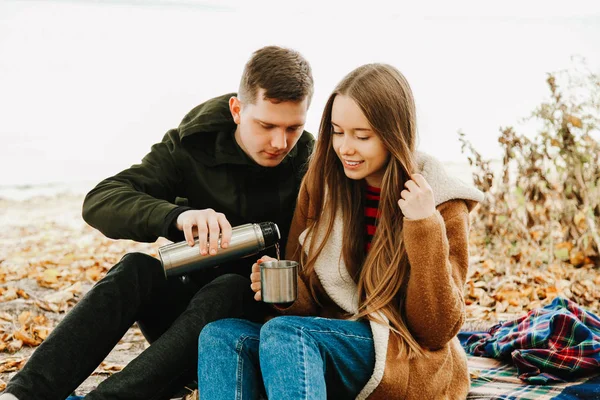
(235,107)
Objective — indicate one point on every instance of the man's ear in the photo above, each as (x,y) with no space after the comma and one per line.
(235,106)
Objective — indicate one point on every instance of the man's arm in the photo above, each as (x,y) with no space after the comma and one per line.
(139,202)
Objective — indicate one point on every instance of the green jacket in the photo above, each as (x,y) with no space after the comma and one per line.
(196,166)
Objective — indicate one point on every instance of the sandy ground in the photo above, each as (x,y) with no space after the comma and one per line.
(46,232)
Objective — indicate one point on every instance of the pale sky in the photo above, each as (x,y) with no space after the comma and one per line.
(86,87)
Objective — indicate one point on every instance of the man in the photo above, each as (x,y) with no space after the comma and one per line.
(232,160)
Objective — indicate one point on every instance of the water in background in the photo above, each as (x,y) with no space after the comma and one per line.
(87,87)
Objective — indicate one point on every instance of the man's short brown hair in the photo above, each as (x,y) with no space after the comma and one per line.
(284,74)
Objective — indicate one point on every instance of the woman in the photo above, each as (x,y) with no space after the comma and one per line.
(381,234)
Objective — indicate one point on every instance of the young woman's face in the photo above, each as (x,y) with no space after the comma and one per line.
(360,150)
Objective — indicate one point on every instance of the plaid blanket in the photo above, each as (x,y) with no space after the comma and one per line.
(495,380)
(557,343)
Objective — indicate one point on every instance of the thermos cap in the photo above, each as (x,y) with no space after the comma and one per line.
(270,232)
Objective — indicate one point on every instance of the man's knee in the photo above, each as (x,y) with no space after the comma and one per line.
(138,264)
(232,280)
(137,270)
(233,286)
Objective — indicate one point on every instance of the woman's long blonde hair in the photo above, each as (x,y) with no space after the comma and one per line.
(385,98)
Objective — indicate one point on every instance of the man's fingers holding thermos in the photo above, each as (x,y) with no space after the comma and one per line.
(257,296)
(188,233)
(202,235)
(225,230)
(214,230)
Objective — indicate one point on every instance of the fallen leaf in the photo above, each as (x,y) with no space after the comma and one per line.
(14,345)
(94,273)
(49,306)
(111,367)
(27,339)
(10,294)
(58,297)
(41,332)
(24,318)
(50,276)
(11,364)
(577,258)
(6,316)
(579,220)
(123,346)
(576,122)
(561,253)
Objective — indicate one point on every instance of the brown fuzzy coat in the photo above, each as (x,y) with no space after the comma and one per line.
(437,249)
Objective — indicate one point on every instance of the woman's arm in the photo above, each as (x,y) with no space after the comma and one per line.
(437,249)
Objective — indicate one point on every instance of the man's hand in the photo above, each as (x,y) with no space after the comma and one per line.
(255,277)
(417,199)
(206,225)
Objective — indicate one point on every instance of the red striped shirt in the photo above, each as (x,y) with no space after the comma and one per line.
(371,213)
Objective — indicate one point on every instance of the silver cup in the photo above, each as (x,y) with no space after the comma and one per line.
(279,281)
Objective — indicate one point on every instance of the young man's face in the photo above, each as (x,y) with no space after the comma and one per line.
(267,131)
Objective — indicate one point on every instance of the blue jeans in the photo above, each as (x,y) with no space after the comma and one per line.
(297,357)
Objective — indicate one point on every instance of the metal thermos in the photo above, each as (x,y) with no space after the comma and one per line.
(180,258)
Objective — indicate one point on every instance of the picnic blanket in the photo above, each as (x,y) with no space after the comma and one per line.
(557,343)
(493,379)
(550,353)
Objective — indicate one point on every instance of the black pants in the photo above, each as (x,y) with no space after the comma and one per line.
(170,313)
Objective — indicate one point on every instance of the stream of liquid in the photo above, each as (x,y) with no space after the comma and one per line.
(277,251)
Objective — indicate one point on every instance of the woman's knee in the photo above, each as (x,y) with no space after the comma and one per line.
(280,330)
(284,342)
(225,333)
(216,331)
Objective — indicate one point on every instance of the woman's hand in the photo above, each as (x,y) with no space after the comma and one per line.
(417,199)
(255,277)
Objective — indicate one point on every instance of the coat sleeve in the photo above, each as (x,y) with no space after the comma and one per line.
(305,304)
(437,249)
(139,202)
